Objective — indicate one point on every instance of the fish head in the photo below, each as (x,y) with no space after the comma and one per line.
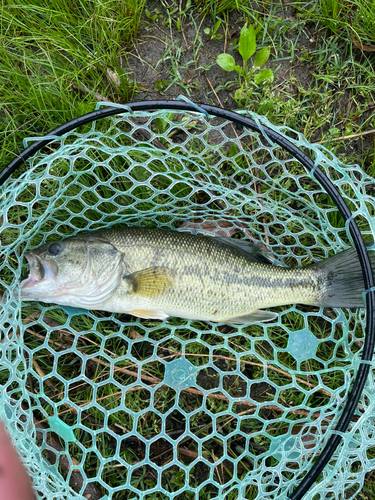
(80,271)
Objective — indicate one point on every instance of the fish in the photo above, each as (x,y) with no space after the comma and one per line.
(157,273)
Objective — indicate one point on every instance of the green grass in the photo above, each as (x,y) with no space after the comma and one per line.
(51,49)
(54,56)
(351,21)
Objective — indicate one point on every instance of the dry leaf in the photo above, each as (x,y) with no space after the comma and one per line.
(220,227)
(363,46)
(134,335)
(113,77)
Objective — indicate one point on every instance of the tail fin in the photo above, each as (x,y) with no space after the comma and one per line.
(345,280)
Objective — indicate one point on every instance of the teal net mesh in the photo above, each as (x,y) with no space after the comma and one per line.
(109,406)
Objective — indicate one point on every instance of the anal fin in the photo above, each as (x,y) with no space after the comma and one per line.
(259,316)
(148,314)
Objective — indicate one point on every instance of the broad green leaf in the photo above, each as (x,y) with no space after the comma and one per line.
(226,62)
(217,26)
(261,57)
(247,43)
(264,76)
(207,31)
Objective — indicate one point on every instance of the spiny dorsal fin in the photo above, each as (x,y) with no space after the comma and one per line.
(252,249)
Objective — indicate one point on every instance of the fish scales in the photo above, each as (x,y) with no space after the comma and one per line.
(211,280)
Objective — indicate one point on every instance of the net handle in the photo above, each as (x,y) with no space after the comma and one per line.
(368,349)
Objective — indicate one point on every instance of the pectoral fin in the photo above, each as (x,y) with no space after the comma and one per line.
(150,282)
(259,316)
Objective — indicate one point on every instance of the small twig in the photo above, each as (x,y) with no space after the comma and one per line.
(215,459)
(146,134)
(182,30)
(42,374)
(344,137)
(85,90)
(11,258)
(187,452)
(153,380)
(18,128)
(226,34)
(213,90)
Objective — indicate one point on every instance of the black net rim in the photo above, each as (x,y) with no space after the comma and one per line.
(281,140)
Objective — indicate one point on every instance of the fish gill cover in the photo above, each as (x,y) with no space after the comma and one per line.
(119,407)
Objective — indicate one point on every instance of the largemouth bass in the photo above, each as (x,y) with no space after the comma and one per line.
(152,273)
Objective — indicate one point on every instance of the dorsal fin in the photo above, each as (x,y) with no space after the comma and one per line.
(251,249)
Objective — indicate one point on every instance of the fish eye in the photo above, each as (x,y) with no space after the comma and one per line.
(55,248)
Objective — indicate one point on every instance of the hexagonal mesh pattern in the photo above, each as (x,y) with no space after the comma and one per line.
(117,407)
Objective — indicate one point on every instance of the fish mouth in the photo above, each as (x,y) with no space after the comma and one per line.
(39,270)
